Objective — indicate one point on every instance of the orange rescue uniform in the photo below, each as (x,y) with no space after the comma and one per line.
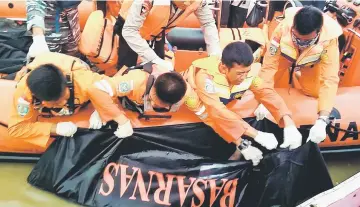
(132,85)
(214,92)
(23,122)
(317,64)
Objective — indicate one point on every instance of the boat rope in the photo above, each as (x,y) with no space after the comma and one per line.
(343,130)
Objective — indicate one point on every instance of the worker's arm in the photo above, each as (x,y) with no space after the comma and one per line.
(265,93)
(271,58)
(329,78)
(226,123)
(131,30)
(103,92)
(211,33)
(23,122)
(35,13)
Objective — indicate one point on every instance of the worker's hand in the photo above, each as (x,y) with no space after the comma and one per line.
(38,46)
(67,129)
(164,64)
(292,137)
(124,130)
(317,132)
(95,121)
(253,154)
(268,140)
(261,112)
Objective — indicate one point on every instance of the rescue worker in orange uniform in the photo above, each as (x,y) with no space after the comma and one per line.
(144,22)
(55,85)
(304,47)
(149,90)
(219,82)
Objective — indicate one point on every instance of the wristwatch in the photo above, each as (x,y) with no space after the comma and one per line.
(244,144)
(325,119)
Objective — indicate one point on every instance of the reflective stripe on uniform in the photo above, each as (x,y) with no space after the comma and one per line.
(104,86)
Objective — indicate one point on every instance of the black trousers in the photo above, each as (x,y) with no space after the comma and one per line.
(128,57)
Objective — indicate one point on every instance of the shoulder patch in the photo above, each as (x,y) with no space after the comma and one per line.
(209,86)
(275,43)
(126,86)
(324,56)
(257,82)
(272,50)
(192,101)
(23,107)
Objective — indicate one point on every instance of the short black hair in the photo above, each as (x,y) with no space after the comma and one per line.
(170,87)
(237,52)
(46,83)
(308,19)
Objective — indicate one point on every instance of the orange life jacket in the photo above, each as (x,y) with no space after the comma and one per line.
(145,109)
(225,93)
(158,20)
(252,35)
(98,40)
(310,55)
(67,64)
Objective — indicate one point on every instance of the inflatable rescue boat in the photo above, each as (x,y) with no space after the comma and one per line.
(344,194)
(343,133)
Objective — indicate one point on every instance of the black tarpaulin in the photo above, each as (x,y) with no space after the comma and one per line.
(15,41)
(180,165)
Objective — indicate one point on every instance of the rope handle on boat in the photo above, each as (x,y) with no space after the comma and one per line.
(343,130)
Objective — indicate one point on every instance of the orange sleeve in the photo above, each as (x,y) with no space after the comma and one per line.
(192,101)
(103,93)
(223,121)
(266,94)
(329,78)
(26,127)
(271,58)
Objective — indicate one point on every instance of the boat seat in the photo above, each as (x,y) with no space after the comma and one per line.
(187,38)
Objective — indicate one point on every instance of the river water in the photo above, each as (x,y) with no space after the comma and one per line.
(16,192)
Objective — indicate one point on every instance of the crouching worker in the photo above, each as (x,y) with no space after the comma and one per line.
(219,82)
(304,47)
(53,84)
(146,90)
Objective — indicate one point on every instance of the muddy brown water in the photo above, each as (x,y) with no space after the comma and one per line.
(16,192)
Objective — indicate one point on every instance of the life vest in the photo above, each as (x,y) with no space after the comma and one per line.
(99,41)
(67,64)
(222,87)
(158,22)
(311,55)
(145,109)
(252,35)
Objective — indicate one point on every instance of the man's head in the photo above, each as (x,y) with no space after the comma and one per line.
(307,24)
(236,61)
(48,84)
(169,88)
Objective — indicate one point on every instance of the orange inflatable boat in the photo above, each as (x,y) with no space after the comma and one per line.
(17,10)
(342,133)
